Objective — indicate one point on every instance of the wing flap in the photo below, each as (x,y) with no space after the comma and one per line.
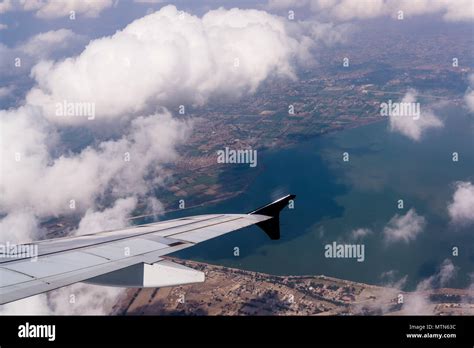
(143,275)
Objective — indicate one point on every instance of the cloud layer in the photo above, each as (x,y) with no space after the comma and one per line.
(166,58)
(417,303)
(48,9)
(168,55)
(47,45)
(461,209)
(360,233)
(413,126)
(404,228)
(469,95)
(170,58)
(344,10)
(32,178)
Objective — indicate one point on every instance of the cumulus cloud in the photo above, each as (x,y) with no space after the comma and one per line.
(148,1)
(84,299)
(414,302)
(389,279)
(447,271)
(169,58)
(48,9)
(5,6)
(47,45)
(314,33)
(118,167)
(360,233)
(418,303)
(404,228)
(108,219)
(410,124)
(6,91)
(34,305)
(461,208)
(76,299)
(469,96)
(58,39)
(20,226)
(344,10)
(166,57)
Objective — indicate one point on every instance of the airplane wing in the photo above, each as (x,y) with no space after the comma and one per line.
(129,257)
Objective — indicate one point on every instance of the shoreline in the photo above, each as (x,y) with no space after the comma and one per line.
(231,291)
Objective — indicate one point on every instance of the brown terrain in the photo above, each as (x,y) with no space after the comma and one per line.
(228,291)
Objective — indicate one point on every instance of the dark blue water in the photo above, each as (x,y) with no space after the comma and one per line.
(336,197)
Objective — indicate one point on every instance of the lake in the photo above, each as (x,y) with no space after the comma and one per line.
(336,197)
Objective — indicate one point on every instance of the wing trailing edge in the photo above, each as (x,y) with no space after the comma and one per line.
(143,275)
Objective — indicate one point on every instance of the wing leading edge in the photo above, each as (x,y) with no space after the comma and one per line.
(130,257)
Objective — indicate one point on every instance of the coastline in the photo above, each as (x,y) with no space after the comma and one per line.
(231,291)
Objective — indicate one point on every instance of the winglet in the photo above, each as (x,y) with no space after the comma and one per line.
(272,226)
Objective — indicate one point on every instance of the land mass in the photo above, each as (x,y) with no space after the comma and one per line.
(229,291)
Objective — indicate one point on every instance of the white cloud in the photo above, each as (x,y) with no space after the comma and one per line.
(312,33)
(5,5)
(41,44)
(6,91)
(166,57)
(148,1)
(76,299)
(404,228)
(469,96)
(3,26)
(171,58)
(344,10)
(20,226)
(417,303)
(348,9)
(45,45)
(461,209)
(389,279)
(86,176)
(360,233)
(62,8)
(446,273)
(283,4)
(34,305)
(154,207)
(413,126)
(108,219)
(48,9)
(88,299)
